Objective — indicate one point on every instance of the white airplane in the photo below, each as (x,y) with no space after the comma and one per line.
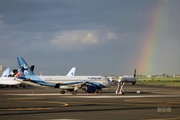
(69,83)
(5,80)
(111,79)
(8,78)
(128,79)
(6,72)
(123,80)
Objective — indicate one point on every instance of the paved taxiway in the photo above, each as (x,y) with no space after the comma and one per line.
(153,103)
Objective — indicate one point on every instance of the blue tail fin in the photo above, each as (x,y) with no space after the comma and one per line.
(6,72)
(24,67)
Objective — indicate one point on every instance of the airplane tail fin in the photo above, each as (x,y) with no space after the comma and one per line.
(6,72)
(71,72)
(135,73)
(24,67)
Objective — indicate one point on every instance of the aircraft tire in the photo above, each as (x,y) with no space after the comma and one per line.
(98,91)
(62,92)
(133,83)
(74,92)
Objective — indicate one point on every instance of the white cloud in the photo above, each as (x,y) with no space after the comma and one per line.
(71,40)
(80,39)
(111,35)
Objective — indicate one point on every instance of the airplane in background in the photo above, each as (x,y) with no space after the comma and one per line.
(5,80)
(70,83)
(8,79)
(128,79)
(123,80)
(71,72)
(111,79)
(6,72)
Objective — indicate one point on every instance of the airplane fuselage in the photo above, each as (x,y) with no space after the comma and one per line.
(101,80)
(127,79)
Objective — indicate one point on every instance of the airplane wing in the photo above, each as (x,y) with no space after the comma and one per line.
(71,84)
(30,83)
(79,85)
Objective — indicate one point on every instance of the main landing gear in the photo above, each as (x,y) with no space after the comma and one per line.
(98,91)
(62,92)
(73,92)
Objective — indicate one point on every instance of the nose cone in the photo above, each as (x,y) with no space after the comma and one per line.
(107,82)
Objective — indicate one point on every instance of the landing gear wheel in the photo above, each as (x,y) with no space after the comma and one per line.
(62,92)
(121,93)
(133,83)
(74,92)
(98,91)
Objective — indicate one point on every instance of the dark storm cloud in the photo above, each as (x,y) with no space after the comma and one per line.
(55,15)
(96,36)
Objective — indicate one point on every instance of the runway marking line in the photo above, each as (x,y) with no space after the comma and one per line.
(152,101)
(64,104)
(176,118)
(33,98)
(27,109)
(63,119)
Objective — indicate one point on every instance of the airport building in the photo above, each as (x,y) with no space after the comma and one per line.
(1,69)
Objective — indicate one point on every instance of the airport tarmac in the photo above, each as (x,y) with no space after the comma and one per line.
(153,103)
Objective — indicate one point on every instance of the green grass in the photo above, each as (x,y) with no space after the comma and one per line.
(159,81)
(171,81)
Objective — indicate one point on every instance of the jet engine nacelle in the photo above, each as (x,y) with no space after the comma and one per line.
(57,85)
(90,89)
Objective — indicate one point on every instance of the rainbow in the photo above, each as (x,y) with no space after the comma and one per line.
(151,38)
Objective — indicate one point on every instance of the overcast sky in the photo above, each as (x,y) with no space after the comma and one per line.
(99,37)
